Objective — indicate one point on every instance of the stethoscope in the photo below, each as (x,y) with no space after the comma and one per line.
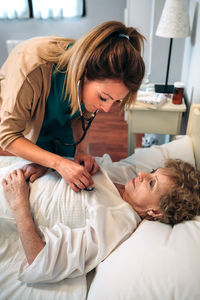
(83,119)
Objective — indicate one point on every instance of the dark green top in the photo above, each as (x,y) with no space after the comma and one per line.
(57,120)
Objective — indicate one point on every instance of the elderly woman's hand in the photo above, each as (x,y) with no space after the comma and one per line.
(33,171)
(16,190)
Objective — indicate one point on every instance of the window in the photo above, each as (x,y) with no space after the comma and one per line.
(10,11)
(41,9)
(56,9)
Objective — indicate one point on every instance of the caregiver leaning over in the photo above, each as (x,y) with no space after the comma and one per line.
(41,83)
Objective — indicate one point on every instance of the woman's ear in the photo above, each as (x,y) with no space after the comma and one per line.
(84,77)
(85,74)
(154,213)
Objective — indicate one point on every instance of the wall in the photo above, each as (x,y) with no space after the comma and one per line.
(184,64)
(191,60)
(97,11)
(140,16)
(161,50)
(185,58)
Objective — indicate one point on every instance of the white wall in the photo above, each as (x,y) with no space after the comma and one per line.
(139,15)
(185,65)
(97,11)
(185,58)
(191,61)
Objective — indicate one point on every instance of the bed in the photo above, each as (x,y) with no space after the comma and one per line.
(156,262)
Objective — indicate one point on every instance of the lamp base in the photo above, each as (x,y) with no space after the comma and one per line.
(166,89)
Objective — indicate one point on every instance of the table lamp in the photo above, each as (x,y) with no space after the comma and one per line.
(174,23)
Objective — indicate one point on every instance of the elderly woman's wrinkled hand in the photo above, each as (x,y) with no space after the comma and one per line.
(16,190)
(33,171)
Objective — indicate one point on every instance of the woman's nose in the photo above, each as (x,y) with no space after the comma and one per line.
(142,175)
(106,106)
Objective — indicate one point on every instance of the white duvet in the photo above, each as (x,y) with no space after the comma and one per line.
(80,230)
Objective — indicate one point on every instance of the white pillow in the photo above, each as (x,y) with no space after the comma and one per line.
(147,159)
(155,156)
(158,261)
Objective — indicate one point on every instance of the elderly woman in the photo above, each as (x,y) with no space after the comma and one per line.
(96,221)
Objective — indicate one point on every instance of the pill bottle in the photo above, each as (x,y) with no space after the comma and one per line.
(178,93)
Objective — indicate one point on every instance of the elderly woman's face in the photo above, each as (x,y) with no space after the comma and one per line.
(101,94)
(143,192)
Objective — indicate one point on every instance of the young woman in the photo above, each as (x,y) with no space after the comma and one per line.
(72,246)
(51,89)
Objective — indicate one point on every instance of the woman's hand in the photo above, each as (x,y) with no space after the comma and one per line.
(87,161)
(76,175)
(16,191)
(33,171)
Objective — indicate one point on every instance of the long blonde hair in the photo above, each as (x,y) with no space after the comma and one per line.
(105,55)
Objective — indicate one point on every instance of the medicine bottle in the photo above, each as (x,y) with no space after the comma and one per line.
(178,93)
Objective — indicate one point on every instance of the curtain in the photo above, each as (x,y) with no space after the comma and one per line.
(56,9)
(17,9)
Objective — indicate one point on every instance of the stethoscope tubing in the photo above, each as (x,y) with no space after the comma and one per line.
(85,128)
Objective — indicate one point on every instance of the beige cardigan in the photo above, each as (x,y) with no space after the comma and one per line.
(25,81)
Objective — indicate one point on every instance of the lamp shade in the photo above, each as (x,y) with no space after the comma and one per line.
(174,21)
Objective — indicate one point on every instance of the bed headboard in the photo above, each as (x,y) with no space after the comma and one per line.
(193,130)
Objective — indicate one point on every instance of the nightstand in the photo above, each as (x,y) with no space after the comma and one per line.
(163,120)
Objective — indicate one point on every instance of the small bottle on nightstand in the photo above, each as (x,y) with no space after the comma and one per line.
(178,93)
